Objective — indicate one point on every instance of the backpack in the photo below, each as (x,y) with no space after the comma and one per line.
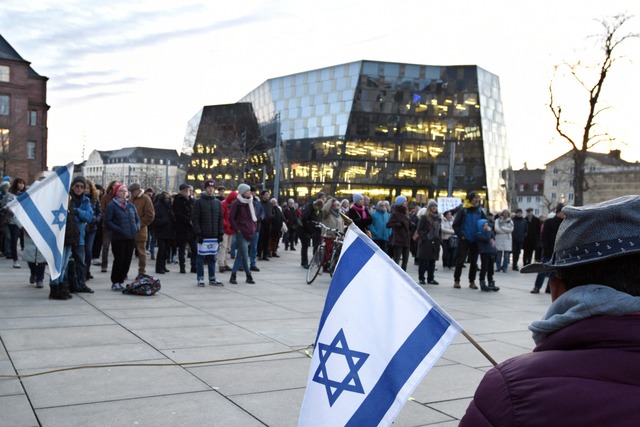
(143,285)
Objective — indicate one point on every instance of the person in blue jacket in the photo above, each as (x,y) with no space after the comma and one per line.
(121,218)
(465,227)
(487,248)
(380,234)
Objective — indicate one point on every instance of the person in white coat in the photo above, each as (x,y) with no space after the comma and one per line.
(503,228)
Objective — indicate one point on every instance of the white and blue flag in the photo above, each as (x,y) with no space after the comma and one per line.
(379,335)
(42,211)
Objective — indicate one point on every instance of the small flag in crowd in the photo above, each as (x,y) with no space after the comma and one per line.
(379,335)
(42,211)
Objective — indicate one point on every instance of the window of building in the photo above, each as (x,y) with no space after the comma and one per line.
(528,199)
(553,196)
(537,212)
(571,183)
(570,197)
(31,150)
(592,168)
(555,170)
(554,183)
(519,199)
(521,187)
(536,187)
(32,118)
(4,105)
(5,73)
(538,199)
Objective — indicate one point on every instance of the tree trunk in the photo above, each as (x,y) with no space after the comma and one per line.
(579,186)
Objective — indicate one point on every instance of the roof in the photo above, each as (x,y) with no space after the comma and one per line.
(611,158)
(7,52)
(144,152)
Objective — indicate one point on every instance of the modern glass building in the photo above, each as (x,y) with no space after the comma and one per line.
(375,128)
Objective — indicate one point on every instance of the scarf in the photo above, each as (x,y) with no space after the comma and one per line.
(335,212)
(249,201)
(361,211)
(582,302)
(121,202)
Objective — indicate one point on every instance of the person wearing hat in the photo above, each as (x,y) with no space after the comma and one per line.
(182,208)
(549,233)
(244,222)
(465,226)
(146,212)
(80,207)
(121,218)
(585,368)
(360,214)
(531,248)
(207,220)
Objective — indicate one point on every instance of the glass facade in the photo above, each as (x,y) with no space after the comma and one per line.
(384,129)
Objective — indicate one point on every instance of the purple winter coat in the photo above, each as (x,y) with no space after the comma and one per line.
(586,374)
(241,221)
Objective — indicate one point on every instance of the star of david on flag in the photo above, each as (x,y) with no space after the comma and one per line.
(379,335)
(42,211)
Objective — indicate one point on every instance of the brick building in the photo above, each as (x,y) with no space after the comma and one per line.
(23,116)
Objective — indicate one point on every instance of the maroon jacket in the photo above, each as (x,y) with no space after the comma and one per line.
(241,221)
(586,374)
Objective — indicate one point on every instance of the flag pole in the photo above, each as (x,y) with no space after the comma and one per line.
(480,349)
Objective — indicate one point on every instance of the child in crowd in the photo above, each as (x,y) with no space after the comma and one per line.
(487,249)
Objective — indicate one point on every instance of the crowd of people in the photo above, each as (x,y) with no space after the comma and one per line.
(230,231)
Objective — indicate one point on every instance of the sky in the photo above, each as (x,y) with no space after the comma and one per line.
(133,73)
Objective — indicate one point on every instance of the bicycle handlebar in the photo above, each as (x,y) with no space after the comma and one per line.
(321,225)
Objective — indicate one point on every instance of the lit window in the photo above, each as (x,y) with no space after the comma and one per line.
(5,73)
(32,118)
(31,150)
(4,105)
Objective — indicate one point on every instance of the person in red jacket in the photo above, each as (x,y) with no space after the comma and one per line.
(223,254)
(585,368)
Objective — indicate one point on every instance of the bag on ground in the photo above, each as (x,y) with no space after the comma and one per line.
(143,285)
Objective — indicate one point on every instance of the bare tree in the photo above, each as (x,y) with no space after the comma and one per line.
(610,41)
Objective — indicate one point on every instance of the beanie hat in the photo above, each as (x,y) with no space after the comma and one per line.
(79,179)
(184,186)
(117,188)
(471,195)
(5,184)
(357,197)
(209,183)
(242,188)
(400,200)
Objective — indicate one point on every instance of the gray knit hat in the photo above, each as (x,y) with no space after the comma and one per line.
(594,233)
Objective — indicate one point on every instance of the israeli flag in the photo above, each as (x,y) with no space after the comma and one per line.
(42,211)
(379,335)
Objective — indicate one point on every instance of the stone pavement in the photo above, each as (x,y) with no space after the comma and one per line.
(185,323)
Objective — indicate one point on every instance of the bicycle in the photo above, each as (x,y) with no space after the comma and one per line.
(319,259)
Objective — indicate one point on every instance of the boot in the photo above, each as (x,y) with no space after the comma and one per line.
(64,291)
(483,286)
(55,293)
(250,280)
(232,279)
(472,285)
(493,287)
(84,288)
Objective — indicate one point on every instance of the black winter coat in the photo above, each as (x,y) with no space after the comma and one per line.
(182,208)
(164,223)
(207,218)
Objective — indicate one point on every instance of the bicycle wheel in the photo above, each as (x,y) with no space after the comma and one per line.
(315,265)
(335,255)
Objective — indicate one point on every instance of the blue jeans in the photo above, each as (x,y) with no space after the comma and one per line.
(502,260)
(242,256)
(211,265)
(253,249)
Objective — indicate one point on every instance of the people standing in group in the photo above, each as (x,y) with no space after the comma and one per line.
(182,208)
(277,220)
(465,224)
(265,225)
(517,237)
(106,233)
(122,220)
(93,226)
(531,248)
(17,187)
(449,241)
(401,231)
(310,234)
(585,367)
(227,240)
(163,226)
(428,232)
(503,228)
(550,230)
(380,234)
(485,238)
(208,224)
(292,219)
(244,222)
(146,212)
